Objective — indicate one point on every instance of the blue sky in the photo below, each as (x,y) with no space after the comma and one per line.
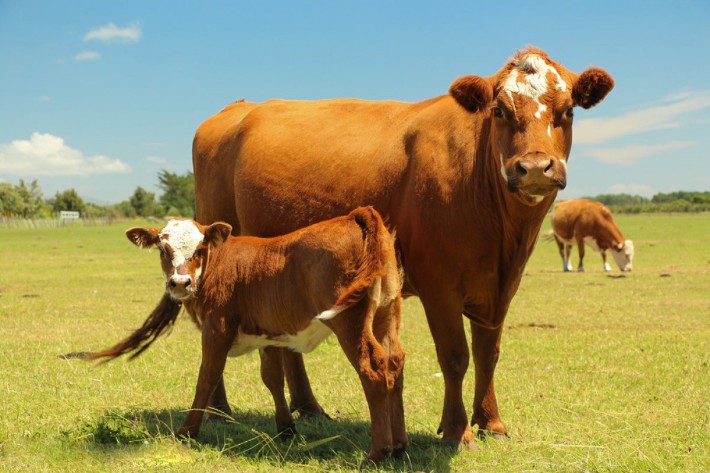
(100,95)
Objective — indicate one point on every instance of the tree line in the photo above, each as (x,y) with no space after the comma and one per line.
(26,200)
(680,201)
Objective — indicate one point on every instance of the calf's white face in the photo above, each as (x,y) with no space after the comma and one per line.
(184,246)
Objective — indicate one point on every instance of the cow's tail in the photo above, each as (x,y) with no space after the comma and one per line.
(378,242)
(161,319)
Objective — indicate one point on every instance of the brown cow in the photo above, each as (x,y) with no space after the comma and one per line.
(466,179)
(585,221)
(339,276)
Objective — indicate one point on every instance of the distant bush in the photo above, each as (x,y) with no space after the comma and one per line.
(681,201)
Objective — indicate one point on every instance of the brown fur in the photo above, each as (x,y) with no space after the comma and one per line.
(433,170)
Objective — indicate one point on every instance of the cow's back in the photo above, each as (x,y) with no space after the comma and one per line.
(579,218)
(284,165)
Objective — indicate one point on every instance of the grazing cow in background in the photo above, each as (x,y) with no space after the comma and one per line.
(339,276)
(466,179)
(583,222)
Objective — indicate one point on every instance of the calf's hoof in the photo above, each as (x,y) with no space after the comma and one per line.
(287,431)
(186,433)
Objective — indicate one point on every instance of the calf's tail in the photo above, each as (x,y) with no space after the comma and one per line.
(373,262)
(161,319)
(548,235)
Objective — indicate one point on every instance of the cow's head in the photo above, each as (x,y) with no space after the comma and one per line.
(623,254)
(530,102)
(184,247)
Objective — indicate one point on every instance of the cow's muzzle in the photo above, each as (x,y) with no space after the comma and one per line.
(537,174)
(180,286)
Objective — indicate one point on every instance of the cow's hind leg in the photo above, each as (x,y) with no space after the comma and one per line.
(272,375)
(486,349)
(580,247)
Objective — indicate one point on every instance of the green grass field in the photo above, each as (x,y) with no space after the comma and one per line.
(598,372)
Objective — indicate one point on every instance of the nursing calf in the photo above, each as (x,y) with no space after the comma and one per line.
(244,293)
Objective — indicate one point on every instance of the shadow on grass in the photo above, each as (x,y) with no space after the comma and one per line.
(252,435)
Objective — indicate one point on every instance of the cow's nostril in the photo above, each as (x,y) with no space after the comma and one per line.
(172,284)
(521,169)
(550,166)
(188,281)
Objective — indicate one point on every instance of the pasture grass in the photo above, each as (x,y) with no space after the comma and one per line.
(598,372)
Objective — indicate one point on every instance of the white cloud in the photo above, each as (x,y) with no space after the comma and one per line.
(47,155)
(659,117)
(112,33)
(633,189)
(87,56)
(628,155)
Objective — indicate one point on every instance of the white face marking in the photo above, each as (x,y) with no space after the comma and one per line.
(183,238)
(502,167)
(534,83)
(303,342)
(549,131)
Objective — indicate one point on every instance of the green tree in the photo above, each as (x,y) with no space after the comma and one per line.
(22,200)
(68,200)
(143,202)
(178,196)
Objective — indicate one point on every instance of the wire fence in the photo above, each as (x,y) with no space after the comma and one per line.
(29,223)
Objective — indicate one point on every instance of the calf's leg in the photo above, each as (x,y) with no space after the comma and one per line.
(218,402)
(272,375)
(215,346)
(580,247)
(353,328)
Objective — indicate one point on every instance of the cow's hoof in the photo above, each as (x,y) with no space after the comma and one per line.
(398,451)
(311,409)
(379,454)
(464,442)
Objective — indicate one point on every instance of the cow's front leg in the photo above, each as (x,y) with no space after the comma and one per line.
(272,375)
(446,325)
(215,346)
(486,349)
(299,386)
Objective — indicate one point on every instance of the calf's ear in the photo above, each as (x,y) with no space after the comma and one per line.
(591,87)
(143,237)
(472,92)
(217,233)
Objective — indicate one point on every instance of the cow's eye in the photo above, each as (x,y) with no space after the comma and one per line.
(498,112)
(569,113)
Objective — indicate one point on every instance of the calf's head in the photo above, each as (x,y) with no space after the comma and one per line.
(184,248)
(530,103)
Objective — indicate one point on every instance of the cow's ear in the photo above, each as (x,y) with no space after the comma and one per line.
(217,233)
(143,237)
(591,87)
(472,92)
